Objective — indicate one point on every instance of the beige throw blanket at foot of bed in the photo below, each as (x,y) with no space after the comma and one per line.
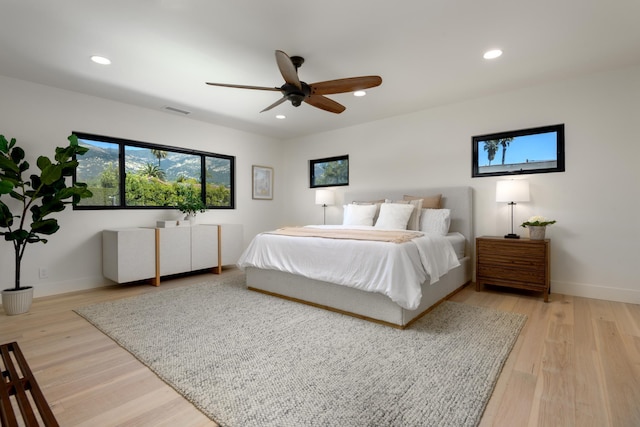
(392,236)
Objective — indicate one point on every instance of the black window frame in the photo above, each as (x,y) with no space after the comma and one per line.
(312,176)
(122,142)
(476,152)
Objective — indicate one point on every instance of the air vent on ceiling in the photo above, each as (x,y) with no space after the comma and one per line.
(177,110)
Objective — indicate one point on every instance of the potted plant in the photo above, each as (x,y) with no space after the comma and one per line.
(537,226)
(190,203)
(27,218)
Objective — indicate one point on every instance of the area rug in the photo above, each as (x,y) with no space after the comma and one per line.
(247,359)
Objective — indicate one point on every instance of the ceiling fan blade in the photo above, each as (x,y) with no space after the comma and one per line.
(275,104)
(345,85)
(287,69)
(245,87)
(325,103)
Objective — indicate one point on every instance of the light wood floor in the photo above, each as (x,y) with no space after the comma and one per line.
(576,363)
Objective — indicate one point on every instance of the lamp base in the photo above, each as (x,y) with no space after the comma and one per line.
(511,236)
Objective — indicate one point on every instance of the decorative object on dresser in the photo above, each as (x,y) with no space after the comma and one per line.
(522,263)
(537,226)
(190,203)
(512,191)
(324,198)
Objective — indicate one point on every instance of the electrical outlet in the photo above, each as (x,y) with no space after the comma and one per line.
(43,273)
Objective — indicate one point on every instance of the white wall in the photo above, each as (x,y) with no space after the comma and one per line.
(596,242)
(41,118)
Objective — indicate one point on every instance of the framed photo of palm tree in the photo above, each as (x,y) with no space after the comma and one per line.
(524,151)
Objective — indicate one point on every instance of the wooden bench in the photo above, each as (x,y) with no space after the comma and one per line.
(20,389)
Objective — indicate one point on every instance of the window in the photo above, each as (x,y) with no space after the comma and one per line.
(329,172)
(526,151)
(130,174)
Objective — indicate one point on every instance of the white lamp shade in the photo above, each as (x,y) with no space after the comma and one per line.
(325,197)
(512,190)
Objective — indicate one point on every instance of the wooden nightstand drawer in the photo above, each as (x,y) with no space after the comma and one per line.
(518,250)
(515,263)
(526,263)
(515,274)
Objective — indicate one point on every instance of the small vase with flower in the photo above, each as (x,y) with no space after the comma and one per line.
(537,226)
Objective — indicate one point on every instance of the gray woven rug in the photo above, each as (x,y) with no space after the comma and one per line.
(247,359)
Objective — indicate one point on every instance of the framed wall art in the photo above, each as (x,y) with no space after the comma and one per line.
(525,151)
(262,182)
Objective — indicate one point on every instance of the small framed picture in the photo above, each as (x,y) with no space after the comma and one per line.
(262,183)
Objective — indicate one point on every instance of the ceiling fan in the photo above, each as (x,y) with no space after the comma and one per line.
(298,91)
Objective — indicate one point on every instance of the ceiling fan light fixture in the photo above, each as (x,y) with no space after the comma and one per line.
(296,91)
(100,60)
(280,116)
(359,93)
(492,54)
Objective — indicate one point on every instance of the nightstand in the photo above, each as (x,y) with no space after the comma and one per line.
(513,263)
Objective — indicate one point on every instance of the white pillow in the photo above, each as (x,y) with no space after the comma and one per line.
(435,221)
(358,214)
(394,216)
(373,202)
(414,219)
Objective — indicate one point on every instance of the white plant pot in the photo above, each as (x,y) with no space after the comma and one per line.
(537,232)
(187,221)
(17,302)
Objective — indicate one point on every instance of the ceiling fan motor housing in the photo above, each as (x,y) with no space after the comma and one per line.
(295,95)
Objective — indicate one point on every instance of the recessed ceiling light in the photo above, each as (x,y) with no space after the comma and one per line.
(281,117)
(492,54)
(100,60)
(359,93)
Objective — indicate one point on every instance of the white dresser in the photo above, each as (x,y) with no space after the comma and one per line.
(133,254)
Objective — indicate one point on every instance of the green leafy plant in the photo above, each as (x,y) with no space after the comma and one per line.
(537,221)
(190,201)
(42,194)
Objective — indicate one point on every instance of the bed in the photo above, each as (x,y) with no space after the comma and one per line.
(352,298)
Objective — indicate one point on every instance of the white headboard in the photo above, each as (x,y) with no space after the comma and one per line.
(458,199)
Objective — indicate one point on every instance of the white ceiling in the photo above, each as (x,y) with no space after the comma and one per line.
(428,52)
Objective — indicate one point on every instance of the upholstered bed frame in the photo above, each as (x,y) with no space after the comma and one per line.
(372,306)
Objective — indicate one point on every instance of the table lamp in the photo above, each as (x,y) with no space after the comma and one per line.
(324,198)
(512,191)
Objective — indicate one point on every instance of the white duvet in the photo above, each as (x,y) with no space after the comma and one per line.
(395,270)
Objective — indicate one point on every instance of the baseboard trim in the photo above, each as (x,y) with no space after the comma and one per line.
(56,288)
(631,296)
